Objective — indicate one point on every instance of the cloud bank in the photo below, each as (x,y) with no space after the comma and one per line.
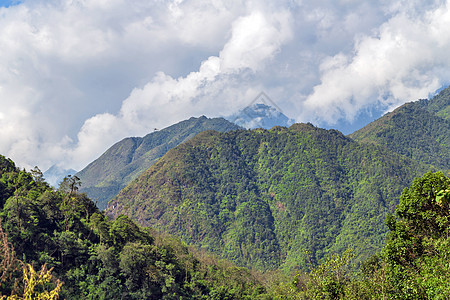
(77,76)
(406,59)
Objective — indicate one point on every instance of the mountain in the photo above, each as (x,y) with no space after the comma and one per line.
(419,130)
(438,105)
(93,257)
(58,243)
(55,174)
(262,197)
(259,115)
(106,176)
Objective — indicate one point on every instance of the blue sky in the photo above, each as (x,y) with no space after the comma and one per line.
(7,3)
(77,76)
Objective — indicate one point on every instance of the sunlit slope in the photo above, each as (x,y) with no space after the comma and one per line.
(419,130)
(124,161)
(262,197)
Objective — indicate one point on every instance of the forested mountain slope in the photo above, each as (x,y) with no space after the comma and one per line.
(419,130)
(124,161)
(262,197)
(57,243)
(97,258)
(438,105)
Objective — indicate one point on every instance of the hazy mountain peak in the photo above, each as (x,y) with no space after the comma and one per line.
(55,174)
(260,115)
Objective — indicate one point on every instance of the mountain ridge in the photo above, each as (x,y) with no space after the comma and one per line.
(106,176)
(419,130)
(259,197)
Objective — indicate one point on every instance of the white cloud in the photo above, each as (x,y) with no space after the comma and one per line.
(254,39)
(76,76)
(63,62)
(402,62)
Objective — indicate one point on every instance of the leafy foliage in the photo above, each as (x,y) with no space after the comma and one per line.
(417,252)
(9,266)
(259,198)
(330,278)
(414,264)
(97,258)
(36,283)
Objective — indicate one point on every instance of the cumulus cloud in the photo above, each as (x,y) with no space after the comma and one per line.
(255,38)
(77,76)
(405,60)
(64,61)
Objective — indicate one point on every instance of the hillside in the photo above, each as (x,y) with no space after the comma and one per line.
(419,130)
(262,197)
(58,245)
(96,258)
(106,176)
(438,105)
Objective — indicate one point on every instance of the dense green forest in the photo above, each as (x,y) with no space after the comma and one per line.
(96,258)
(291,213)
(419,130)
(127,159)
(414,263)
(439,105)
(261,197)
(57,244)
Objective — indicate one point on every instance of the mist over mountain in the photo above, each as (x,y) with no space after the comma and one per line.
(124,161)
(260,115)
(55,174)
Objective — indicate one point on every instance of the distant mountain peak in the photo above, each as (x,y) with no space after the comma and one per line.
(261,113)
(55,174)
